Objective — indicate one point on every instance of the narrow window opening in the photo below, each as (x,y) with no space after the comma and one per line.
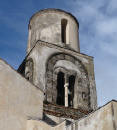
(63,30)
(71,90)
(60,88)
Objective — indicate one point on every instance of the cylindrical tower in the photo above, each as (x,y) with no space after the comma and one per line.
(54,26)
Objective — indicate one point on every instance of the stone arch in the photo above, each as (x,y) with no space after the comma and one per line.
(51,78)
(29,67)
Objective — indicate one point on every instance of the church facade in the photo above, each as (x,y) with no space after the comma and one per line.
(54,87)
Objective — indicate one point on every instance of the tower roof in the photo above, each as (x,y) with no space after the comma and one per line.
(53,10)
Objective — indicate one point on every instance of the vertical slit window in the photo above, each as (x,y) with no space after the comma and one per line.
(63,30)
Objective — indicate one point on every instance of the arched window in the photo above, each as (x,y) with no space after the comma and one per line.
(62,79)
(63,30)
(60,88)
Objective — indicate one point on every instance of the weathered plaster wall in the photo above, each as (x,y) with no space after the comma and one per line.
(40,125)
(19,100)
(114,114)
(46,26)
(102,119)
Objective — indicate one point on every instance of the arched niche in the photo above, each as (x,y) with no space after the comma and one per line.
(29,69)
(79,87)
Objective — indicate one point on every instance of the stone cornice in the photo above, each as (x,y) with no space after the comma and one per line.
(64,48)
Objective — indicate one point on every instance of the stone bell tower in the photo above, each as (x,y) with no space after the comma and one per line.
(54,62)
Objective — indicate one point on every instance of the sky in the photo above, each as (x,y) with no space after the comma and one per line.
(97,32)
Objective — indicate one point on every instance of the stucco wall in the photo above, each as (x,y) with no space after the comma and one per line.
(114,114)
(40,125)
(102,119)
(19,100)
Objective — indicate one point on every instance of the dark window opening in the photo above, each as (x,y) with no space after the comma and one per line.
(63,30)
(71,90)
(60,88)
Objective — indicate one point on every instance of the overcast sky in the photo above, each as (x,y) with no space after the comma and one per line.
(98,35)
